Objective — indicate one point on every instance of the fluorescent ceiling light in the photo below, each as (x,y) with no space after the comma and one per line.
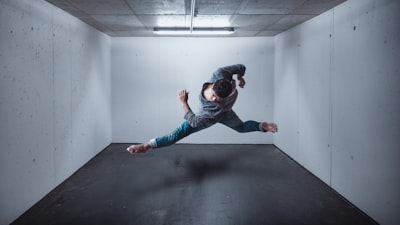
(195,31)
(192,30)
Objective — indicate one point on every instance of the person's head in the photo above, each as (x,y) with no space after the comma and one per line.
(222,88)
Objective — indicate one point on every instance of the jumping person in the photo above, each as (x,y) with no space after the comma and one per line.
(216,100)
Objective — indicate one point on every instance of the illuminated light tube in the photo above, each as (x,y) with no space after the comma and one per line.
(173,31)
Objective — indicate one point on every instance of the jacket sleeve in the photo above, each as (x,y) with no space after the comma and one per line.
(197,121)
(228,71)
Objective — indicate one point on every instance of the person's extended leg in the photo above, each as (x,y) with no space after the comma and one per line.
(182,131)
(179,133)
(231,120)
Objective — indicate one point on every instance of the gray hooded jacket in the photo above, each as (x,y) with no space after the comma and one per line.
(212,112)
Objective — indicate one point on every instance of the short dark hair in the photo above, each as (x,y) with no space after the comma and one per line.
(222,88)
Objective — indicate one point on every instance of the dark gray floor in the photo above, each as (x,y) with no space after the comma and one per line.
(193,184)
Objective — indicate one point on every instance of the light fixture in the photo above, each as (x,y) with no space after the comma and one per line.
(181,31)
(177,31)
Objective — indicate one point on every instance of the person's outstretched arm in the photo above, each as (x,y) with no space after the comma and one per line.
(183,98)
(227,72)
(193,119)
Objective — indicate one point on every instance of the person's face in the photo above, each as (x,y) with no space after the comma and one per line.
(214,96)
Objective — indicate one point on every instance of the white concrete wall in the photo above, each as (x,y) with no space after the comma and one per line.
(55,100)
(148,73)
(337,97)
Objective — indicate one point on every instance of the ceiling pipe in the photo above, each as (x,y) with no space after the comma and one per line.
(192,14)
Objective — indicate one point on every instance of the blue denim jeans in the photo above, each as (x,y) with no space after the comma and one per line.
(229,119)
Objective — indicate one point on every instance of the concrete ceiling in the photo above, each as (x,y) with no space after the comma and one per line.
(249,18)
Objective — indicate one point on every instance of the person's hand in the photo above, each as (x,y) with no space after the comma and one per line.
(242,82)
(183,96)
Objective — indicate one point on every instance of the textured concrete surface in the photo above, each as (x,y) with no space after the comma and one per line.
(193,184)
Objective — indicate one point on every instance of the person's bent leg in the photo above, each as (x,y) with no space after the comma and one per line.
(233,121)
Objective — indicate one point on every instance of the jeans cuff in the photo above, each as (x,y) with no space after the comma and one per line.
(153,143)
